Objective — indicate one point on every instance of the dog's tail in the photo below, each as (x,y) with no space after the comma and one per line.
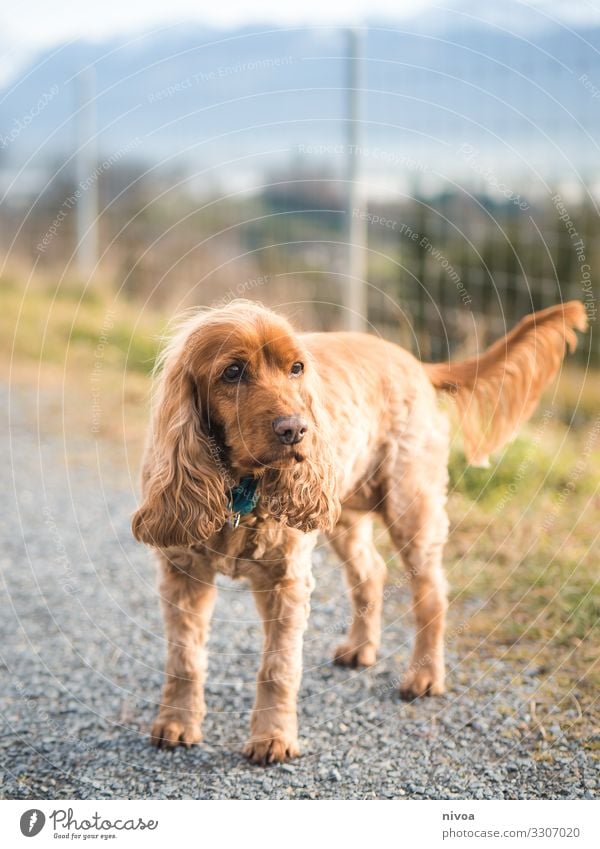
(499,390)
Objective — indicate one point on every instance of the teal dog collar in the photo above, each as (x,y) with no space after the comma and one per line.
(243,499)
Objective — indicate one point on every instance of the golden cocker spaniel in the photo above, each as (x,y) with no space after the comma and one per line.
(261,437)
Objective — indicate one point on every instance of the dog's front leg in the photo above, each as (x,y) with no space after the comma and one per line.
(188,597)
(284,605)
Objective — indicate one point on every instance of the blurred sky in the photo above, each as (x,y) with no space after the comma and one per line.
(32,25)
(44,23)
(29,26)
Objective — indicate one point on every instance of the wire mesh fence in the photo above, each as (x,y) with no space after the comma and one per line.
(477,166)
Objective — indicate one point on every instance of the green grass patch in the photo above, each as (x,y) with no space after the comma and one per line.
(63,325)
(541,459)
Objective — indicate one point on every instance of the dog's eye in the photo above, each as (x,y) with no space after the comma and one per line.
(297,369)
(233,373)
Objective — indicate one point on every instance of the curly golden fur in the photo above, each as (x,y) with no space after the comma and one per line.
(333,427)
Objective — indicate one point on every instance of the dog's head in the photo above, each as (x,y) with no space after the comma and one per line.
(238,396)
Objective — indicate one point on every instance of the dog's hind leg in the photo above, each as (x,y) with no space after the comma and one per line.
(352,540)
(416,517)
(425,675)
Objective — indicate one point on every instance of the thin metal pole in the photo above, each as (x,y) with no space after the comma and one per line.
(87,178)
(355,286)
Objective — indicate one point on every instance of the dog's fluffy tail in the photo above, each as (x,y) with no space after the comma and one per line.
(498,390)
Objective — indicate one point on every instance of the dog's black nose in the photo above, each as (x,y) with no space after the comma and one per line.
(290,429)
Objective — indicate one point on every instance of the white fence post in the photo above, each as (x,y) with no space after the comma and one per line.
(354,296)
(87,180)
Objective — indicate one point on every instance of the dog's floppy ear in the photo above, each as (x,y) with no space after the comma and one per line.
(184,499)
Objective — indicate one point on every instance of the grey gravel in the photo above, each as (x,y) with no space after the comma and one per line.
(81,650)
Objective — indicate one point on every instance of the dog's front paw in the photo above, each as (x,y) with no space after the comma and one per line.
(423,678)
(349,654)
(271,750)
(168,732)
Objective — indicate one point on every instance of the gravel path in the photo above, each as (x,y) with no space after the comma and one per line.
(81,646)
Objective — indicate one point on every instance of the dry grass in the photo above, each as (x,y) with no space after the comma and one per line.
(84,359)
(522,556)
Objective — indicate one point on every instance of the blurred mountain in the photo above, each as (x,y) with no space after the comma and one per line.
(518,86)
